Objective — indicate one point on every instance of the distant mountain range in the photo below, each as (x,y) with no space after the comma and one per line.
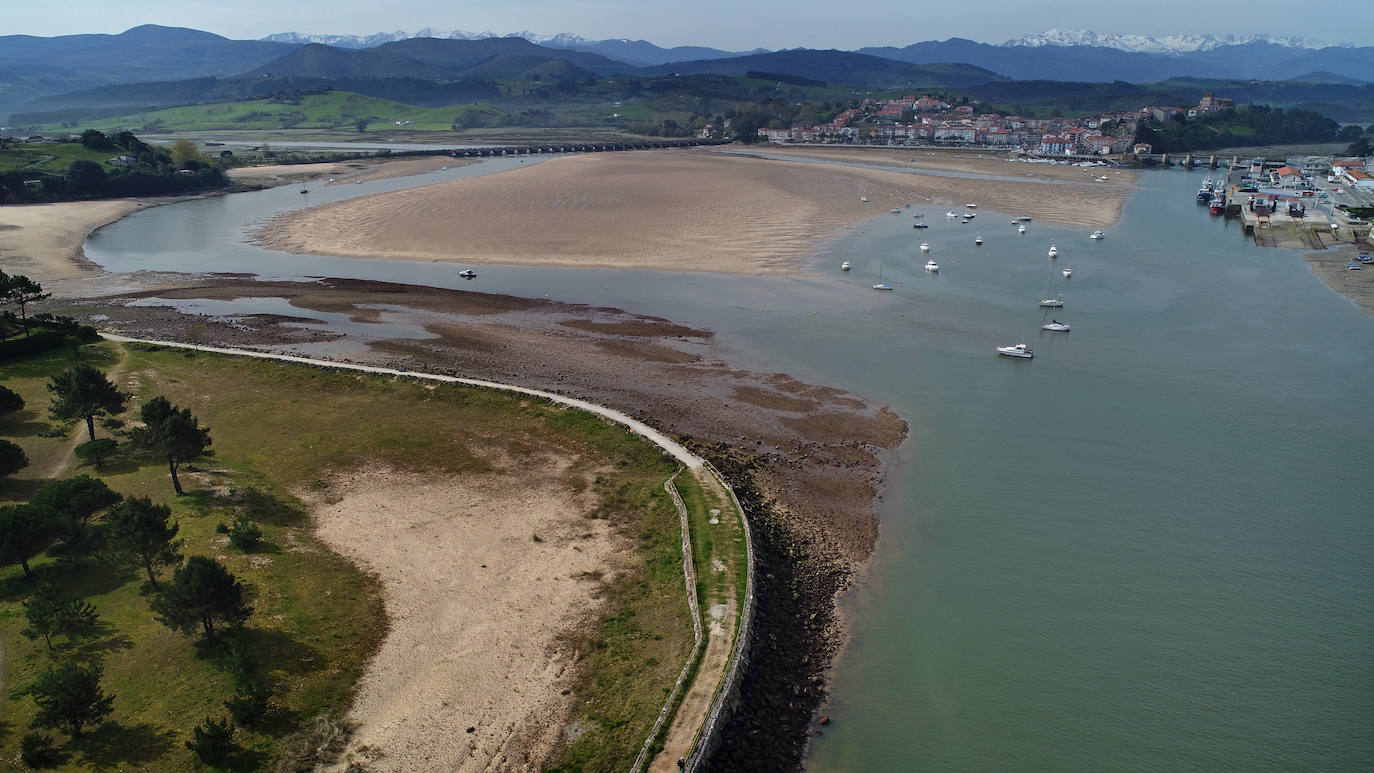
(636,52)
(36,73)
(1169,44)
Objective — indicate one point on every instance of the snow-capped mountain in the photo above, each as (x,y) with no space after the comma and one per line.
(561,40)
(1169,44)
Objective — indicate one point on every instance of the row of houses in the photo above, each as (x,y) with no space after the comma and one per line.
(910,120)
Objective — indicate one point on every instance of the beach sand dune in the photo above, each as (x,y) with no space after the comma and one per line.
(682,211)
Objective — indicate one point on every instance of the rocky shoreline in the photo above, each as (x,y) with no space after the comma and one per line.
(804,459)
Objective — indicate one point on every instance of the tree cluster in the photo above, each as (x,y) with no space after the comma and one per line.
(1252,125)
(154,171)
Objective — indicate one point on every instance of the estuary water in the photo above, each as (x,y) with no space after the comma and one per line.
(1149,548)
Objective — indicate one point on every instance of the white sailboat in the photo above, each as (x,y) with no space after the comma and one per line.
(881,285)
(1055,326)
(1052,303)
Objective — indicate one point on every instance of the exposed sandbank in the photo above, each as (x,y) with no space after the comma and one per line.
(681,211)
(46,241)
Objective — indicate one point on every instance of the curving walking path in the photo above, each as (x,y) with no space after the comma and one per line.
(703,691)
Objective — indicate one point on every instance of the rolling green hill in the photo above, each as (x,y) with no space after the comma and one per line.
(332,110)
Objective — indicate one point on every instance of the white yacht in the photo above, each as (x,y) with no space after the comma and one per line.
(1020,229)
(1052,303)
(896,210)
(1097,235)
(882,286)
(1068,272)
(863,199)
(845,266)
(1019,350)
(1055,326)
(468,274)
(970,215)
(932,266)
(971,206)
(978,240)
(950,214)
(1054,251)
(925,247)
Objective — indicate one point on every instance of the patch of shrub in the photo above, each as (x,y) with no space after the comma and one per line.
(245,535)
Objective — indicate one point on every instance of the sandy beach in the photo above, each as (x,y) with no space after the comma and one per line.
(1329,266)
(46,241)
(480,614)
(360,170)
(681,211)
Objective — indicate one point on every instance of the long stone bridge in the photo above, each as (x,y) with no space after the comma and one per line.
(579,147)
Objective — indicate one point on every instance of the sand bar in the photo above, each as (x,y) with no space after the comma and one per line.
(46,241)
(674,210)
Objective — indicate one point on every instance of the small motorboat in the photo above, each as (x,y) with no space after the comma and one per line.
(1020,229)
(304,191)
(468,274)
(1021,219)
(1055,326)
(978,240)
(919,225)
(971,206)
(882,286)
(863,199)
(932,266)
(970,215)
(845,266)
(918,214)
(1054,251)
(1097,235)
(925,247)
(1019,350)
(895,210)
(950,214)
(1052,303)
(1068,272)
(1353,267)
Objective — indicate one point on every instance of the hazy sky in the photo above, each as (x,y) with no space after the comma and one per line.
(731,24)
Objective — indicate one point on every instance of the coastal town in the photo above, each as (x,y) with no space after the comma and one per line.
(912,120)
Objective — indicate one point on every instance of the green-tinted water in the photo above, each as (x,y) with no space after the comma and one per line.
(1150,548)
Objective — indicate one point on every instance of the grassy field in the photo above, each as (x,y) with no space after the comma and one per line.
(280,429)
(52,157)
(338,110)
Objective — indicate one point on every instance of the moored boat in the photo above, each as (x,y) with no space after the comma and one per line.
(468,274)
(1097,235)
(1054,251)
(845,266)
(925,247)
(1055,326)
(1019,350)
(1020,229)
(1052,303)
(1068,271)
(978,240)
(932,266)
